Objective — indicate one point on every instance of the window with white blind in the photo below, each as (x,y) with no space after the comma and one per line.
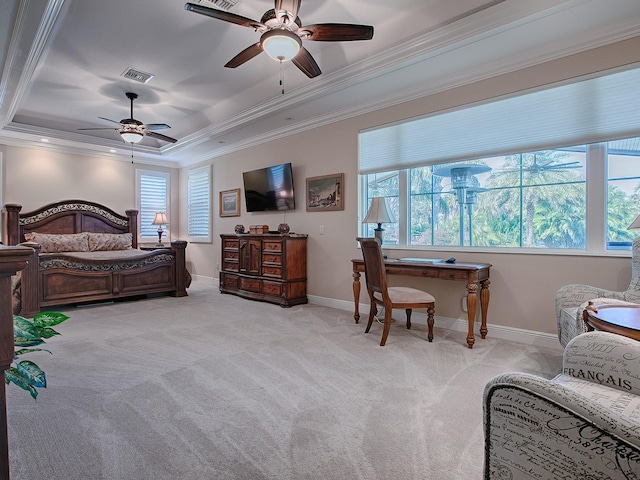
(152,192)
(500,174)
(199,204)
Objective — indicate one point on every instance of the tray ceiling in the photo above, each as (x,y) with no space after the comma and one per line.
(64,63)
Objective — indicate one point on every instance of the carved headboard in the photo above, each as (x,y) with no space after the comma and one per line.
(67,216)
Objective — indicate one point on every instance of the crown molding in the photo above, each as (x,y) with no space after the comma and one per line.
(24,19)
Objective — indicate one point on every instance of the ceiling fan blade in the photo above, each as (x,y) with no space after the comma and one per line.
(156,126)
(565,166)
(161,137)
(225,16)
(104,128)
(336,32)
(289,6)
(109,120)
(245,55)
(305,62)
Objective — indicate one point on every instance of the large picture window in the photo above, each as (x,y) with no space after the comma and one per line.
(554,168)
(532,200)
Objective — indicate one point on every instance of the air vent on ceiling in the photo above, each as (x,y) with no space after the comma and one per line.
(136,75)
(223,4)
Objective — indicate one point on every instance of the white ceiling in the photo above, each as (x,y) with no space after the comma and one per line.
(62,62)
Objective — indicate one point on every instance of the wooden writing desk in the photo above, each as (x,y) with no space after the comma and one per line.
(473,273)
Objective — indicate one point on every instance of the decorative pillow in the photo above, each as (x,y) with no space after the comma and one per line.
(109,241)
(52,243)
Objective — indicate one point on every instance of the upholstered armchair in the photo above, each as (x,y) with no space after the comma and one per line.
(571,300)
(582,424)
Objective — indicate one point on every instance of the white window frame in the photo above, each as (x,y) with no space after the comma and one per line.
(193,174)
(596,217)
(158,208)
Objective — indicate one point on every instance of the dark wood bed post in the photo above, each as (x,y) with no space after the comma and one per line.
(12,260)
(11,234)
(179,246)
(133,226)
(30,297)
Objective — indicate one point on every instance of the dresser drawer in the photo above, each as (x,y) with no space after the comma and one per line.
(230,243)
(272,246)
(230,265)
(272,258)
(250,285)
(229,255)
(271,271)
(230,281)
(271,288)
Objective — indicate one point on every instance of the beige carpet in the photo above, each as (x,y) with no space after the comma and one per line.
(212,386)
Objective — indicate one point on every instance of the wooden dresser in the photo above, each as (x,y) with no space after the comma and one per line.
(267,267)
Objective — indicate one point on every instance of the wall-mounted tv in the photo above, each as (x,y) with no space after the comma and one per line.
(269,188)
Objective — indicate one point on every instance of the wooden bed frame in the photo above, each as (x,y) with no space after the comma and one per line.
(69,281)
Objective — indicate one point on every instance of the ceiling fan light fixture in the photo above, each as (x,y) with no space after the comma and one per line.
(131,137)
(280,44)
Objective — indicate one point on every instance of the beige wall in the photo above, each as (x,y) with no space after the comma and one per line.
(33,178)
(522,286)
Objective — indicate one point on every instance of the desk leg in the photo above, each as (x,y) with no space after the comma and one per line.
(484,306)
(472,302)
(356,296)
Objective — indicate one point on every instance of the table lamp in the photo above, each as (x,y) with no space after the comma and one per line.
(378,213)
(160,220)
(635,224)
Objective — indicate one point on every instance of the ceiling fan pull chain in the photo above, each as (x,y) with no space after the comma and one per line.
(282,76)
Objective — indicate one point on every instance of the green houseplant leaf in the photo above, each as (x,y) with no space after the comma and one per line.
(29,333)
(12,375)
(49,319)
(33,373)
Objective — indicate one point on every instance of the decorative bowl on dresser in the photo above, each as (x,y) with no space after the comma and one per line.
(267,267)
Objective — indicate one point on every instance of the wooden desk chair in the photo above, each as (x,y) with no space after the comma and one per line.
(390,297)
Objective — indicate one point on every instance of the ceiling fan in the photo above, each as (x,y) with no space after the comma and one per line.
(283,32)
(132,130)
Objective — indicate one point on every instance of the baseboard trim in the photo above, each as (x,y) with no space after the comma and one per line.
(520,335)
(215,281)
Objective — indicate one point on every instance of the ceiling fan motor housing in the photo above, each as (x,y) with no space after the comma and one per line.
(270,19)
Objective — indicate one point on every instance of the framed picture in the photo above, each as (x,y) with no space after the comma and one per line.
(325,193)
(230,203)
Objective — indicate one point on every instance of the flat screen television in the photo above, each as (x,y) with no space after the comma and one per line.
(269,189)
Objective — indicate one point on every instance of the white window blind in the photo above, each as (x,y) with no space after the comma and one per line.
(199,204)
(153,195)
(587,111)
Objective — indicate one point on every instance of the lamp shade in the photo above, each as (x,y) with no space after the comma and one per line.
(378,212)
(160,219)
(280,44)
(635,224)
(131,137)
